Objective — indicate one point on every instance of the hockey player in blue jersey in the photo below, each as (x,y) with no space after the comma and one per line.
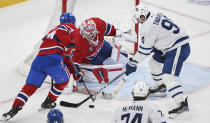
(170,47)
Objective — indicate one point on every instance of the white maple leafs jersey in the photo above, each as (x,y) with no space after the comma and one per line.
(138,112)
(161,33)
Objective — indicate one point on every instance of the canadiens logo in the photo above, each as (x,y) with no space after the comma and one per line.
(90,49)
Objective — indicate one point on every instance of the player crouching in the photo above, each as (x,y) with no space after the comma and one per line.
(93,50)
(139,110)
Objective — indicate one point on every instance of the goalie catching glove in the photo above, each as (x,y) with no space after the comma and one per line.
(129,36)
(131,66)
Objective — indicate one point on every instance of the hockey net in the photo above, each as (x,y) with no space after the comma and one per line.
(116,12)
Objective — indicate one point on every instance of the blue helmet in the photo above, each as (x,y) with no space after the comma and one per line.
(55,116)
(67,18)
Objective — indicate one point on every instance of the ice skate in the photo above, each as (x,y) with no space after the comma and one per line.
(158,91)
(47,104)
(182,108)
(11,113)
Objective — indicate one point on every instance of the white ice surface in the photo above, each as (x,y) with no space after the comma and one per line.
(22,25)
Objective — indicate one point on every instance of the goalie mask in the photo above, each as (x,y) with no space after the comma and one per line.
(89,31)
(140,91)
(140,14)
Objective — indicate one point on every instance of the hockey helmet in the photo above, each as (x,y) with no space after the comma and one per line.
(55,116)
(140,89)
(89,31)
(140,14)
(67,18)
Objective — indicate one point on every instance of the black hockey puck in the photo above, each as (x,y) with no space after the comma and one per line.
(91,106)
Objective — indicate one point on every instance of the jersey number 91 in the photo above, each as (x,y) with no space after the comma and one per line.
(168,24)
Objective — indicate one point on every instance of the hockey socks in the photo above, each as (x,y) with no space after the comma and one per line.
(24,94)
(56,91)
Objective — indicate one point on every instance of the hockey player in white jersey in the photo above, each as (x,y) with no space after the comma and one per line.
(139,110)
(170,47)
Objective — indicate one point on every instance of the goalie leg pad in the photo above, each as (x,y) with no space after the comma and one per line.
(116,51)
(99,73)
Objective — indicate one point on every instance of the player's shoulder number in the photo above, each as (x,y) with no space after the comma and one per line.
(51,35)
(166,23)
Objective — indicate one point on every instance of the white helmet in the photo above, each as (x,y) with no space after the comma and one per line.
(140,89)
(88,30)
(139,11)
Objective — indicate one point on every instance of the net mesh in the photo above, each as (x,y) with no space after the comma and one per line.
(116,12)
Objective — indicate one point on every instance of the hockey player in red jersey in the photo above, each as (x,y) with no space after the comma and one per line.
(49,61)
(91,46)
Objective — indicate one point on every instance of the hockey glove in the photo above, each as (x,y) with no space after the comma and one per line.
(79,77)
(131,66)
(129,36)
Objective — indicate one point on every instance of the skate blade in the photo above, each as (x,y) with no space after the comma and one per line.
(181,116)
(111,95)
(158,94)
(44,109)
(4,119)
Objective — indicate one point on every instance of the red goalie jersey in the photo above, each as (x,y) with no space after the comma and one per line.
(86,51)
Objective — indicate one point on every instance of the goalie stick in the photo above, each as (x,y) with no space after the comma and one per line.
(75,105)
(111,95)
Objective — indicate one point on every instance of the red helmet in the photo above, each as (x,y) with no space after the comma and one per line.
(88,30)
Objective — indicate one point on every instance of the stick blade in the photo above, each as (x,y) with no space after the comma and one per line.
(67,104)
(111,95)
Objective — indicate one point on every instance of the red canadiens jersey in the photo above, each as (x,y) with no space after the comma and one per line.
(59,39)
(84,51)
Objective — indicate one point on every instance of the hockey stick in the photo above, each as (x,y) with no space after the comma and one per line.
(77,74)
(75,105)
(110,95)
(92,97)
